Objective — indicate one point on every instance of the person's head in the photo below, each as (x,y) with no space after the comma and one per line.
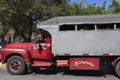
(39,38)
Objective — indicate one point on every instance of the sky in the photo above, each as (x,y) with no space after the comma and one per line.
(98,2)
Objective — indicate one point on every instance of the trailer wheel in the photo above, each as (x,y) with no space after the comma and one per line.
(117,69)
(16,65)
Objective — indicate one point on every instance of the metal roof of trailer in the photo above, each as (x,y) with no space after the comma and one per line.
(91,19)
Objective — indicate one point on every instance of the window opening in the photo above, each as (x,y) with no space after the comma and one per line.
(83,27)
(118,26)
(67,28)
(105,26)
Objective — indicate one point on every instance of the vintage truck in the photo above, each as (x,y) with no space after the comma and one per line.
(73,42)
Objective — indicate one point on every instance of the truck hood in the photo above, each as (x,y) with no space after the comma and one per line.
(19,45)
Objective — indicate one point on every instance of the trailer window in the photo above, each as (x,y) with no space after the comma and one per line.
(85,27)
(118,26)
(105,26)
(67,28)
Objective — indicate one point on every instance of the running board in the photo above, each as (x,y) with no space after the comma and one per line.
(41,64)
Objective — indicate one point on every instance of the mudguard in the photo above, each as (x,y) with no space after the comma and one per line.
(7,52)
(114,63)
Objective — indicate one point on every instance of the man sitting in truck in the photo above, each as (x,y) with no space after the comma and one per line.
(39,40)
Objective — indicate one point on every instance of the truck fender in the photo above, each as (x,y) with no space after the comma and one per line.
(114,62)
(6,53)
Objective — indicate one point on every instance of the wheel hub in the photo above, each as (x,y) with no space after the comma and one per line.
(15,66)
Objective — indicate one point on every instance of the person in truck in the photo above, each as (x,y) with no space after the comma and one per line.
(39,40)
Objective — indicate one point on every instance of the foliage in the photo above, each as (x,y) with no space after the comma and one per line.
(90,9)
(23,15)
(114,8)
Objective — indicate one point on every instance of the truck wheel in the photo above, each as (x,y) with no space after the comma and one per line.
(16,65)
(117,69)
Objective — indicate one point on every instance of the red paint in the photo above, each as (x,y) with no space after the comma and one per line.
(7,51)
(66,54)
(0,57)
(86,54)
(29,51)
(84,63)
(115,61)
(45,54)
(62,63)
(42,63)
(15,65)
(106,54)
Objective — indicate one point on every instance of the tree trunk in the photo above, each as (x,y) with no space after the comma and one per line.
(2,41)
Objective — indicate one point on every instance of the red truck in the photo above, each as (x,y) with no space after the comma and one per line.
(64,40)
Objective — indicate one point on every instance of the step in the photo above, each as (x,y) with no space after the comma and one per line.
(42,64)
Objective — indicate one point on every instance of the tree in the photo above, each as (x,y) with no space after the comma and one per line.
(94,10)
(22,15)
(76,8)
(4,27)
(115,7)
(3,32)
(90,9)
(15,14)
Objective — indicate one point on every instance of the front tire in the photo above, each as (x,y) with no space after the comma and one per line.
(16,65)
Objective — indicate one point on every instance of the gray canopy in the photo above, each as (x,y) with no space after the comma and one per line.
(78,42)
(92,19)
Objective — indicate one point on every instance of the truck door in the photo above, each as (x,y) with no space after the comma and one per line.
(42,51)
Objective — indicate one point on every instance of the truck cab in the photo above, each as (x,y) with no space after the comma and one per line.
(22,56)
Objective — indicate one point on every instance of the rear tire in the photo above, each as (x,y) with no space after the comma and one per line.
(16,65)
(117,69)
